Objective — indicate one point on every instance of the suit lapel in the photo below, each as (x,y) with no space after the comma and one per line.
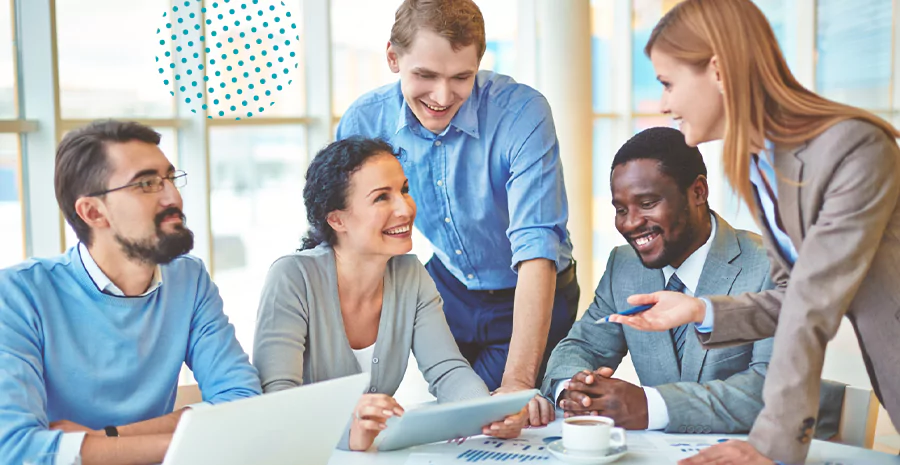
(655,342)
(789,170)
(717,278)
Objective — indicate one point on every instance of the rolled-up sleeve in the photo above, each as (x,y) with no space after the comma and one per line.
(538,208)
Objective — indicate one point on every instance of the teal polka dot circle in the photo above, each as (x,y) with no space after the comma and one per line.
(222,42)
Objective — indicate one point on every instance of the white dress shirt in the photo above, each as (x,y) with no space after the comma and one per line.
(689,274)
(104,283)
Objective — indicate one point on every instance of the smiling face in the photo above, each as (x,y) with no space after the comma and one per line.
(692,97)
(435,79)
(660,221)
(147,226)
(380,213)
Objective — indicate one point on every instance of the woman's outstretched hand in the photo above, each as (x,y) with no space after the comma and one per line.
(670,310)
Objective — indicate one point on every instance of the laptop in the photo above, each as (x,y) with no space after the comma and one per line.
(299,425)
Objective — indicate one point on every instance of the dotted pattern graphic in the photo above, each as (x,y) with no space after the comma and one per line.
(230,57)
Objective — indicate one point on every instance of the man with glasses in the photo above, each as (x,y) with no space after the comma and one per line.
(92,341)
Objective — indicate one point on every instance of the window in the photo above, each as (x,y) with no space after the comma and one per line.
(780,14)
(854,45)
(11,227)
(256,206)
(360,31)
(279,54)
(7,70)
(108,71)
(647,91)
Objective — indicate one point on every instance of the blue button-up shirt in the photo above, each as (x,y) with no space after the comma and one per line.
(762,165)
(489,188)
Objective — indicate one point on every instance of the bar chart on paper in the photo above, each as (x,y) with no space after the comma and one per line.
(495,451)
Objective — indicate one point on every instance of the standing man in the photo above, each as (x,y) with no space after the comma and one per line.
(482,158)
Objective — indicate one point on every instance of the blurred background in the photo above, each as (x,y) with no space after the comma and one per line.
(64,63)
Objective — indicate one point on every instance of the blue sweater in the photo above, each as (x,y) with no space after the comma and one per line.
(70,352)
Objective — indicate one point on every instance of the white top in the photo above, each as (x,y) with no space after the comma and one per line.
(364,357)
(689,274)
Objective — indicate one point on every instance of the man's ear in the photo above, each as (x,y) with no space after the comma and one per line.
(92,211)
(393,58)
(699,191)
(335,219)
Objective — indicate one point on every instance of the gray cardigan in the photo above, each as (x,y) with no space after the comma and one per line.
(300,336)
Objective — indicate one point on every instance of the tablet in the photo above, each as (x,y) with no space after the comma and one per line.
(452,420)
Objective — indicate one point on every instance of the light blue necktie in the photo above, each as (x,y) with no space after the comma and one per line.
(679,333)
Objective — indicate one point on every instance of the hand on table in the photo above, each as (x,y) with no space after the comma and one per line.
(370,417)
(596,393)
(670,310)
(728,453)
(540,410)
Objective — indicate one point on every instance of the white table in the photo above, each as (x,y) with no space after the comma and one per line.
(645,448)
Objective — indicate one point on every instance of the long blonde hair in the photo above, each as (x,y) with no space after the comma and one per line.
(762,97)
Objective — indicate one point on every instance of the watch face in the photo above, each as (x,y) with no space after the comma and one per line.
(111,431)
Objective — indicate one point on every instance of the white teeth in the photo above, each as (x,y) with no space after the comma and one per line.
(644,240)
(400,230)
(435,108)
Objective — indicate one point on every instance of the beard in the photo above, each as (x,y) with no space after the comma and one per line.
(164,247)
(672,249)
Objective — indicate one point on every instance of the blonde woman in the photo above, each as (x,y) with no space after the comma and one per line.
(823,180)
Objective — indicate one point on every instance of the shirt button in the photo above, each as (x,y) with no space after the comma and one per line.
(458,252)
(375,360)
(471,276)
(437,143)
(447,219)
(372,389)
(440,183)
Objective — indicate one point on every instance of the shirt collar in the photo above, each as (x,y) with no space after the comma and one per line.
(465,120)
(689,271)
(104,283)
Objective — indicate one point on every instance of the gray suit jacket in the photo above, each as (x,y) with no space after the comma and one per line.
(838,200)
(300,336)
(717,390)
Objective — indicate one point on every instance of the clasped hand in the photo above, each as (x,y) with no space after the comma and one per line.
(596,393)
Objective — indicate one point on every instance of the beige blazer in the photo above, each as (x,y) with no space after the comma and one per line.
(838,201)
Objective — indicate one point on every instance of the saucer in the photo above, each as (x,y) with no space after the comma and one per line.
(584,458)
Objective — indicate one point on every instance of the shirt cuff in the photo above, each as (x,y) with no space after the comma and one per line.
(657,412)
(535,243)
(707,325)
(560,387)
(69,448)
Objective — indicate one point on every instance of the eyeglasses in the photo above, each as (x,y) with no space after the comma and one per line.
(151,184)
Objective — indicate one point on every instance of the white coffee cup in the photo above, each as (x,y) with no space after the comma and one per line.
(593,435)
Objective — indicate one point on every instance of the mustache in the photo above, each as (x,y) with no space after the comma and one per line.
(633,236)
(166,213)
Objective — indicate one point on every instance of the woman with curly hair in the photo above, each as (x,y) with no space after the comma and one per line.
(352,300)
